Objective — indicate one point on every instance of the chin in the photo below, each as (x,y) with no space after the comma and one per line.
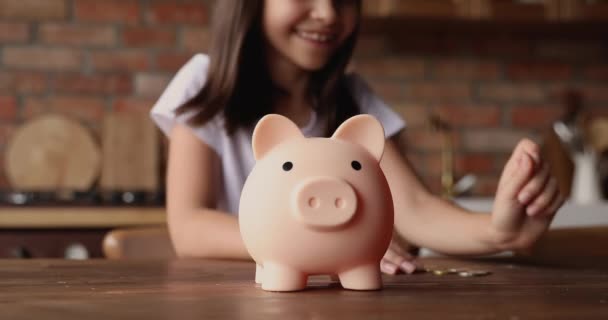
(313,65)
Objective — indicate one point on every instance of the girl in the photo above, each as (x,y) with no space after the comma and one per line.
(289,57)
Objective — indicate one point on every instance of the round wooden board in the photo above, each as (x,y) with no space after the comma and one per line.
(52,152)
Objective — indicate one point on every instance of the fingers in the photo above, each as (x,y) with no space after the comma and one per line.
(392,268)
(525,146)
(536,185)
(536,226)
(546,197)
(547,207)
(531,148)
(557,203)
(518,178)
(394,261)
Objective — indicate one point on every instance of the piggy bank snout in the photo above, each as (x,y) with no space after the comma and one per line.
(324,202)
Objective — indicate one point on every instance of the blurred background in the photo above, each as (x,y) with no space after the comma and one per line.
(79,156)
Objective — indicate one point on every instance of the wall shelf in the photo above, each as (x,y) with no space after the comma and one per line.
(79,217)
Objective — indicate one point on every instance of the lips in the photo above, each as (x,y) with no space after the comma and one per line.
(317,36)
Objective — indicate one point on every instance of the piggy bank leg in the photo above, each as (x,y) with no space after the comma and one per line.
(279,277)
(363,277)
(259,273)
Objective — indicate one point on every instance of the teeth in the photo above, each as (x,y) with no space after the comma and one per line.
(315,36)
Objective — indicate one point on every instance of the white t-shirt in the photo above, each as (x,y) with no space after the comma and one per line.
(235,151)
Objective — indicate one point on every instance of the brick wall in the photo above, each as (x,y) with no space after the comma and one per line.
(87,57)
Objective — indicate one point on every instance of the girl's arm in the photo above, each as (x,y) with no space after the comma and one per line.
(431,222)
(196,229)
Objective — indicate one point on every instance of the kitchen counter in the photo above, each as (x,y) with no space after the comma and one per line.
(571,215)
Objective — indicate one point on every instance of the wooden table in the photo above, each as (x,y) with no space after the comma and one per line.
(200,289)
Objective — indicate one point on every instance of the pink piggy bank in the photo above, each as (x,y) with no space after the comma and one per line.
(316,206)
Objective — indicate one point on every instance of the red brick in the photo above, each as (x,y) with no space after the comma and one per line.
(8,107)
(172,62)
(14,32)
(551,71)
(23,82)
(425,139)
(501,140)
(77,35)
(535,116)
(571,50)
(121,61)
(149,37)
(502,47)
(466,69)
(84,108)
(37,58)
(391,67)
(33,10)
(131,104)
(477,163)
(422,139)
(421,45)
(438,91)
(177,12)
(196,39)
(598,72)
(371,46)
(389,91)
(595,93)
(93,84)
(150,85)
(486,186)
(122,11)
(470,115)
(529,92)
(414,115)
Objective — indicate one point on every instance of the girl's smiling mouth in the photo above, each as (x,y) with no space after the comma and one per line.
(317,37)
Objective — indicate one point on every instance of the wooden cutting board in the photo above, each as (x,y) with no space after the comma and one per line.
(131,155)
(598,134)
(52,152)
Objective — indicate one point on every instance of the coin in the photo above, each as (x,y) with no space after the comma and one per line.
(474,273)
(456,270)
(440,272)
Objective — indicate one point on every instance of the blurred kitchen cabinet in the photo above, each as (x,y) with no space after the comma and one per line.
(51,243)
(486,17)
(489,10)
(416,8)
(67,232)
(515,10)
(584,10)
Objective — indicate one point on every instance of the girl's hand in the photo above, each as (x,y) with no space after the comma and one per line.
(397,260)
(526,200)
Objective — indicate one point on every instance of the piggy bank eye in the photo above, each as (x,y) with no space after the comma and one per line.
(287,166)
(356,165)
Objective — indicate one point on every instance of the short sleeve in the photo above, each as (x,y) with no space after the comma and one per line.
(188,81)
(370,103)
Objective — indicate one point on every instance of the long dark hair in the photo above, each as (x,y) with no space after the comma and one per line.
(238,83)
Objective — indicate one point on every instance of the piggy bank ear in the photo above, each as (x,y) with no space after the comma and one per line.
(270,131)
(365,131)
